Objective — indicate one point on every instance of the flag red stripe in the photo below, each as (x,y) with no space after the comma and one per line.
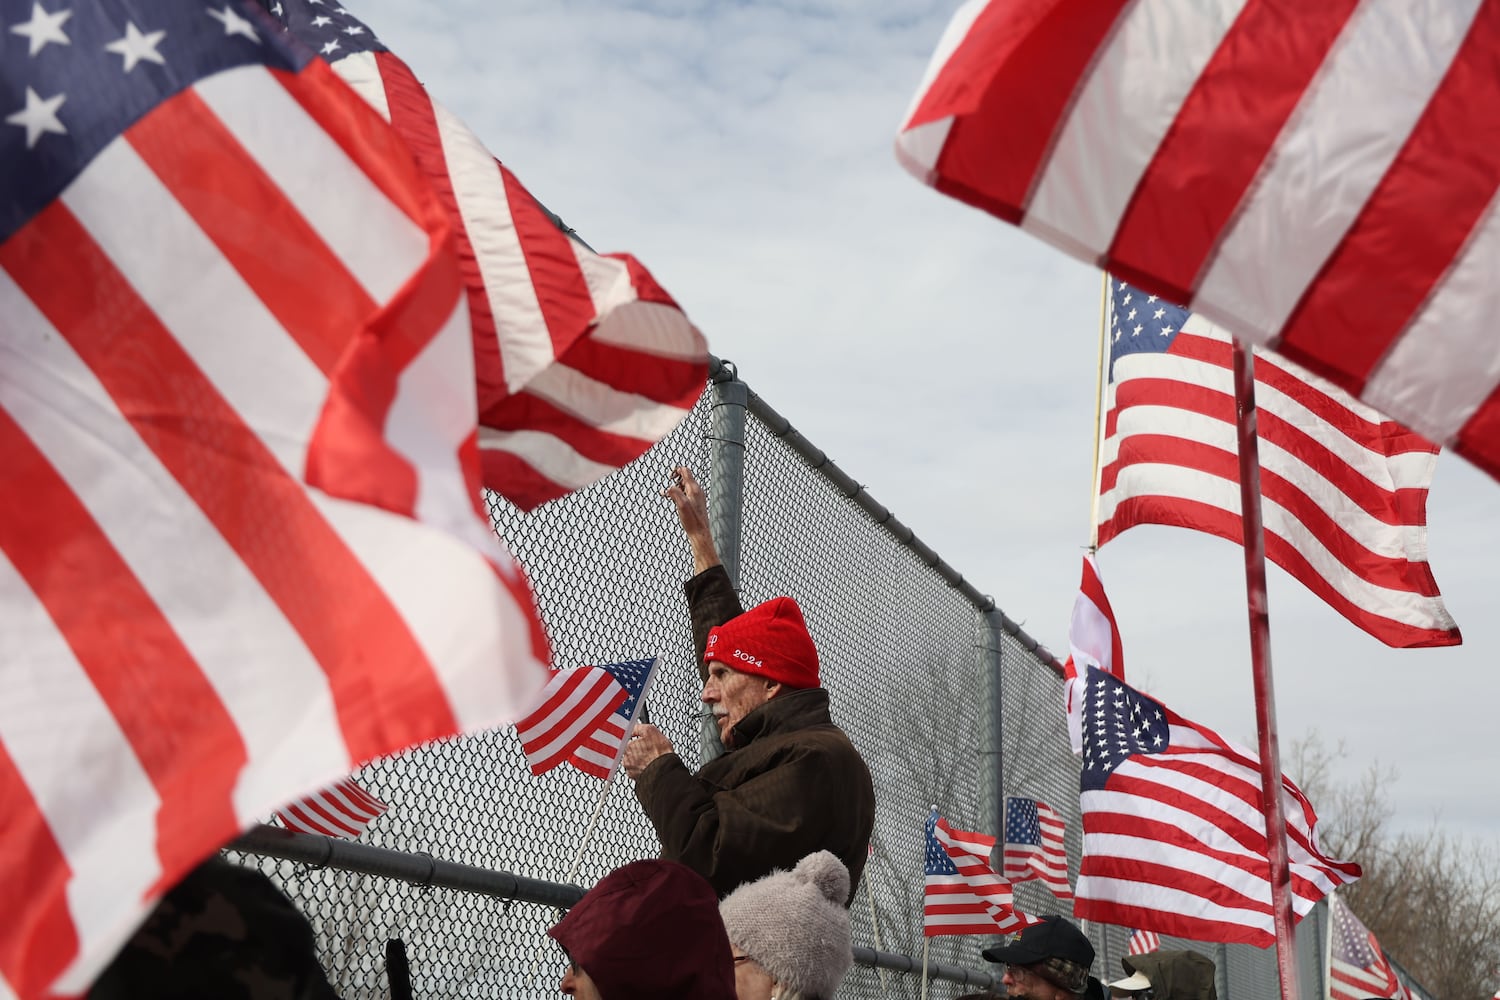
(1216,521)
(365,138)
(1396,438)
(40,940)
(1357,560)
(1015,74)
(1217,125)
(192,152)
(564,296)
(119,635)
(527,411)
(1192,927)
(585,685)
(1413,225)
(412,116)
(673,381)
(346,620)
(1093,588)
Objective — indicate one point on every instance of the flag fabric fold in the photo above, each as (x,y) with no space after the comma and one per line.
(244,549)
(1174,835)
(1357,967)
(1324,186)
(583,361)
(1143,942)
(585,716)
(961,893)
(344,809)
(1034,845)
(1093,641)
(1344,489)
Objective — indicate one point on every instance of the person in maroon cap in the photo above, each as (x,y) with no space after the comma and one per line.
(791,783)
(647,931)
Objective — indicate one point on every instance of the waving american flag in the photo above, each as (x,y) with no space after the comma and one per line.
(1357,967)
(961,893)
(242,549)
(585,717)
(1034,845)
(583,361)
(1173,833)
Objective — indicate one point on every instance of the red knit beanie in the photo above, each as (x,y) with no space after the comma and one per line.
(770,640)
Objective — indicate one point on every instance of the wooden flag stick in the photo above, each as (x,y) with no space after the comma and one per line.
(593,821)
(1099,409)
(1246,421)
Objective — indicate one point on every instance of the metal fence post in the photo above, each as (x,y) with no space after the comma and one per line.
(991,729)
(726,496)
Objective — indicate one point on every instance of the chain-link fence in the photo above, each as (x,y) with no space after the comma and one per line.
(909,652)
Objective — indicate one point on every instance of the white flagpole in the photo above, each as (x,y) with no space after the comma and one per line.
(593,821)
(875,926)
(925,942)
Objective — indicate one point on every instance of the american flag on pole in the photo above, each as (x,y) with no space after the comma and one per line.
(1034,845)
(1173,831)
(1143,942)
(583,361)
(344,810)
(1357,967)
(962,894)
(585,716)
(1323,185)
(1344,489)
(1093,641)
(243,548)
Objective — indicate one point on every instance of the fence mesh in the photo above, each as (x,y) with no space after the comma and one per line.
(899,648)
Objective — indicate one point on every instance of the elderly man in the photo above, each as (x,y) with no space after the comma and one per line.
(1047,961)
(791,783)
(648,929)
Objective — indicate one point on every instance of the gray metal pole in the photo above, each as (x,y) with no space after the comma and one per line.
(991,626)
(726,499)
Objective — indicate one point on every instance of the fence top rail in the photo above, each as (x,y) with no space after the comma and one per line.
(780,427)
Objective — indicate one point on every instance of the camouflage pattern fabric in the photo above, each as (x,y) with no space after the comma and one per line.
(226,932)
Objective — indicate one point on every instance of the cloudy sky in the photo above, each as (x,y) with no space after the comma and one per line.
(945,360)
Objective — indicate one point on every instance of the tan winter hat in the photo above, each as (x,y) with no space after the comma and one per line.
(794,924)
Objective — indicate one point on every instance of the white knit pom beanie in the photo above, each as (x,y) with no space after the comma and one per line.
(794,924)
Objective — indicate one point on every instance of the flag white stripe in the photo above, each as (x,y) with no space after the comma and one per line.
(1310,191)
(549,454)
(1445,366)
(361,71)
(307,164)
(192,594)
(595,694)
(253,362)
(98,801)
(1170,900)
(598,403)
(1108,140)
(526,343)
(636,325)
(1175,481)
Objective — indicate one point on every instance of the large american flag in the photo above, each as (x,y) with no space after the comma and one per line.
(1174,835)
(585,716)
(1324,185)
(243,548)
(962,894)
(344,809)
(1357,967)
(1034,845)
(1093,641)
(1344,489)
(583,361)
(1143,942)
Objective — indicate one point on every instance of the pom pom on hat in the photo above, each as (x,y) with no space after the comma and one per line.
(770,640)
(794,924)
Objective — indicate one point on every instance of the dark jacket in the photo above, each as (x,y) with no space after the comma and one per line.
(794,784)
